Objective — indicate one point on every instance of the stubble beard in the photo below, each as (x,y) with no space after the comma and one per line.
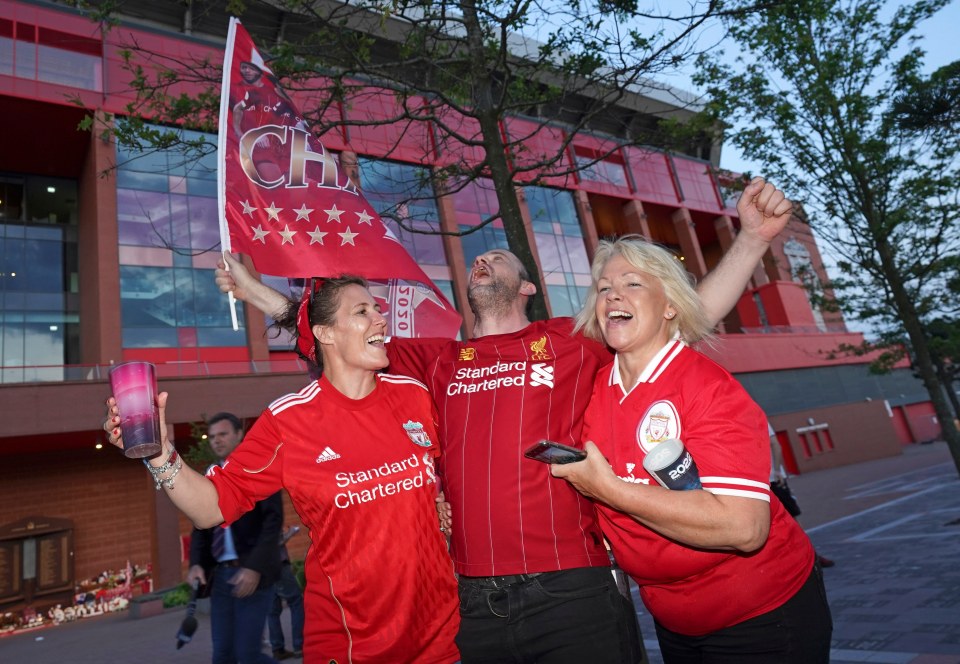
(492,300)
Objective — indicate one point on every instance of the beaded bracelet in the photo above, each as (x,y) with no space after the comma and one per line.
(168,481)
(173,462)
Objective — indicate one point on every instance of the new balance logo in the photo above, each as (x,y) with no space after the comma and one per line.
(327,455)
(541,374)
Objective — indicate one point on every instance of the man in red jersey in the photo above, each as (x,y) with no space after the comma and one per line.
(534,575)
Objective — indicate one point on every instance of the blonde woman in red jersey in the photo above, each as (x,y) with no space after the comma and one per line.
(726,573)
(356,451)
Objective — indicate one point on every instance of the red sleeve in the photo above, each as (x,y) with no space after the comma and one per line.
(726,433)
(412,357)
(252,471)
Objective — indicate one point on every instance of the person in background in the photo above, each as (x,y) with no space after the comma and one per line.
(534,575)
(356,451)
(780,488)
(725,572)
(287,589)
(243,559)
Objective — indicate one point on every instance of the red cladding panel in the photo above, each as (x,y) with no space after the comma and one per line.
(651,176)
(404,139)
(535,143)
(747,310)
(697,185)
(786,303)
(449,130)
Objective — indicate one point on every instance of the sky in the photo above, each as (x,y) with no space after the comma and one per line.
(939,41)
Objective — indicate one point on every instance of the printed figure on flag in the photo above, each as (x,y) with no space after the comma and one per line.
(286,202)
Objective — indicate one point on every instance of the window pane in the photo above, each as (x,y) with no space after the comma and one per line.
(78,70)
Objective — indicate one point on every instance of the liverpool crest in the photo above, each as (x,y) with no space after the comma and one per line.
(539,349)
(659,423)
(417,434)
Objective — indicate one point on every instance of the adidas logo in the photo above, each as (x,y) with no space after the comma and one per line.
(327,455)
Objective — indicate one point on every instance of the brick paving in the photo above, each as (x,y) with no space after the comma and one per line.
(892,526)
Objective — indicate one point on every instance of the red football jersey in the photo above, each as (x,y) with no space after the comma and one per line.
(682,394)
(360,473)
(497,396)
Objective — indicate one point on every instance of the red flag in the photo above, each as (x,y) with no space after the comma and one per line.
(285,202)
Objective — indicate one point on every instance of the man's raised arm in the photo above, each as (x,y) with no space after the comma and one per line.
(764,212)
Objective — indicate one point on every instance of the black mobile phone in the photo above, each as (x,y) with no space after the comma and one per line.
(551,452)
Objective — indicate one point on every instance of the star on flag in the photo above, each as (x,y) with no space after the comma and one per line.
(273,211)
(364,217)
(316,236)
(259,234)
(334,214)
(287,235)
(347,237)
(303,213)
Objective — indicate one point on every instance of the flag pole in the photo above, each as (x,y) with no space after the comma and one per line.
(221,155)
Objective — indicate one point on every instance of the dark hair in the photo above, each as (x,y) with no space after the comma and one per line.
(322,310)
(229,417)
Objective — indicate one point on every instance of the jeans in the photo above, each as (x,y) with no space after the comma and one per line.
(574,615)
(796,632)
(286,589)
(236,624)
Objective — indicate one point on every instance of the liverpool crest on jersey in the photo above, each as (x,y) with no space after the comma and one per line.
(659,423)
(417,434)
(539,349)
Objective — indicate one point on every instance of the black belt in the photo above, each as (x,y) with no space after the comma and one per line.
(501,581)
(229,563)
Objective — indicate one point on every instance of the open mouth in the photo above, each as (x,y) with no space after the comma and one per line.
(479,272)
(376,340)
(618,315)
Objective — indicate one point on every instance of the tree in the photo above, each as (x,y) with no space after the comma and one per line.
(945,350)
(932,104)
(460,69)
(810,96)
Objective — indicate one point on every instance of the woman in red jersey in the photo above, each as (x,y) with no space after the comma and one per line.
(355,449)
(726,573)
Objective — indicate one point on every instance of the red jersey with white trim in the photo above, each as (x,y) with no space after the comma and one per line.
(496,396)
(682,394)
(360,473)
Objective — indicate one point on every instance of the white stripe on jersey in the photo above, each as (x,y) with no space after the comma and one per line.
(742,494)
(303,396)
(666,362)
(735,480)
(401,380)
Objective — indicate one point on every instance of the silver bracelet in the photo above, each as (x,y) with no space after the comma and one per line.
(173,462)
(168,481)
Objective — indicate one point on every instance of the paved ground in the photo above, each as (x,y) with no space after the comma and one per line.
(892,526)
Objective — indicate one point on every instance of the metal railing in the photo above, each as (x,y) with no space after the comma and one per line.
(176,369)
(833,328)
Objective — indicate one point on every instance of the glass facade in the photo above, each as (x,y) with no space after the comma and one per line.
(556,228)
(169,244)
(403,195)
(38,277)
(476,202)
(563,255)
(50,56)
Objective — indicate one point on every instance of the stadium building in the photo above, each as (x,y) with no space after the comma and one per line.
(106,255)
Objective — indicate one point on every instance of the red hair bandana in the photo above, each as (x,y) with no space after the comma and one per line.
(306,343)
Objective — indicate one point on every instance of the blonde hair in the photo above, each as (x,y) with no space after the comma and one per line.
(691,320)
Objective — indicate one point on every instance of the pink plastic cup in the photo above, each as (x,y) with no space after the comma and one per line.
(134,386)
